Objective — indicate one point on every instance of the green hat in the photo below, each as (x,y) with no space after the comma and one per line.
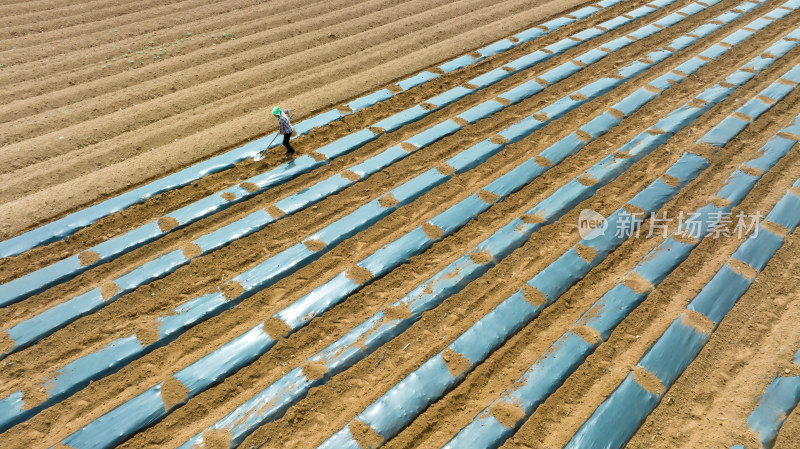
(276,111)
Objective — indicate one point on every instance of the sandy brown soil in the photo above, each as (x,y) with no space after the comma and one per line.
(115,128)
(123,127)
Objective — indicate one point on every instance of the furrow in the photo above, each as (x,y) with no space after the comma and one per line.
(386,259)
(41,279)
(571,349)
(66,226)
(31,330)
(391,412)
(62,26)
(779,399)
(675,349)
(33,41)
(267,273)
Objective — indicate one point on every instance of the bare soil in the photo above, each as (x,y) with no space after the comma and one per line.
(80,122)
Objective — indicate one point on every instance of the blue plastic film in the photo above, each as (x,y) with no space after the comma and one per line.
(115,426)
(222,236)
(780,398)
(481,111)
(68,225)
(617,418)
(673,351)
(49,321)
(785,211)
(370,99)
(39,280)
(720,294)
(758,249)
(417,80)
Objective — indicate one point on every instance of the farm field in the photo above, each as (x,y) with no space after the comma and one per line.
(509,224)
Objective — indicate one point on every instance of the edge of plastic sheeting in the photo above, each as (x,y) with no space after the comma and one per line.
(610,426)
(527,392)
(723,132)
(669,356)
(72,377)
(779,399)
(391,412)
(619,296)
(66,226)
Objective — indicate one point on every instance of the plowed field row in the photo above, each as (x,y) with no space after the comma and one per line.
(337,55)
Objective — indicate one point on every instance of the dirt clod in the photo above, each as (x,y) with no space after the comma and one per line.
(445,169)
(274,211)
(742,269)
(670,180)
(507,414)
(637,283)
(532,218)
(173,392)
(350,176)
(719,202)
(397,313)
(498,139)
(108,290)
(190,250)
(319,157)
(583,135)
(534,296)
(276,328)
(542,161)
(587,180)
(408,147)
(774,228)
(587,253)
(648,380)
(388,200)
(87,258)
(697,321)
(432,231)
(364,435)
(480,257)
(455,362)
(589,334)
(314,370)
(217,439)
(148,333)
(314,244)
(166,224)
(249,186)
(359,275)
(487,197)
(33,395)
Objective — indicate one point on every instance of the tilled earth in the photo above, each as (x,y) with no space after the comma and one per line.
(99,97)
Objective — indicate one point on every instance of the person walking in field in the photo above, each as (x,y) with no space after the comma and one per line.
(285,128)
